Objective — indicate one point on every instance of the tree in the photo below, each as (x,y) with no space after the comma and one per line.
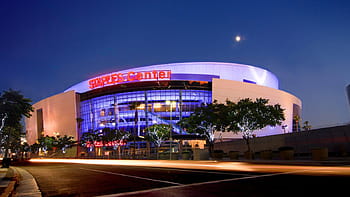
(307,126)
(114,138)
(206,120)
(13,106)
(24,149)
(247,116)
(120,139)
(10,140)
(3,118)
(47,143)
(64,142)
(34,148)
(88,139)
(108,137)
(54,143)
(158,133)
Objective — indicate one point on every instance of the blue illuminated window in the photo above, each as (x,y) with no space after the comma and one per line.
(163,107)
(248,81)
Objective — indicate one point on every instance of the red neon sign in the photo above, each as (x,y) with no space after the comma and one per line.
(110,144)
(117,78)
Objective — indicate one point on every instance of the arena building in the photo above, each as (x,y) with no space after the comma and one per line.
(163,93)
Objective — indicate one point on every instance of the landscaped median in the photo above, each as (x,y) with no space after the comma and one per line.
(8,182)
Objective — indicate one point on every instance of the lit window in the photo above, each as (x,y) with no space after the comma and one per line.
(141,106)
(156,105)
(102,112)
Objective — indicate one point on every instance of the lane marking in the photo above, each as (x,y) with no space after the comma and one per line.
(202,183)
(131,176)
(198,171)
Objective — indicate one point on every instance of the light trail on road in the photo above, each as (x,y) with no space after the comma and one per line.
(213,165)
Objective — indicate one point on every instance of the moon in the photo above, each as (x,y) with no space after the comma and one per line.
(238,38)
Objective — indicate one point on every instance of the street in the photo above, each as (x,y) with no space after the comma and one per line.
(66,179)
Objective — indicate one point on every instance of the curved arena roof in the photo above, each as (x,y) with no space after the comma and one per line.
(199,71)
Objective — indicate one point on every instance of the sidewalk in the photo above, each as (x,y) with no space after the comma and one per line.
(3,183)
(297,162)
(8,182)
(17,182)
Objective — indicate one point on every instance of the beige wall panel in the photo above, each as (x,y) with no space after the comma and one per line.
(31,128)
(59,116)
(234,91)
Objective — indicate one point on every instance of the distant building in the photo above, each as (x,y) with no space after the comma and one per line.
(163,93)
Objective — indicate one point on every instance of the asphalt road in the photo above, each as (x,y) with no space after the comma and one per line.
(63,179)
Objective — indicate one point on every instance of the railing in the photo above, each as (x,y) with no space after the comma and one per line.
(155,117)
(327,126)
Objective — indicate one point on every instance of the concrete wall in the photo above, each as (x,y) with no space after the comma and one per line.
(59,116)
(235,91)
(336,139)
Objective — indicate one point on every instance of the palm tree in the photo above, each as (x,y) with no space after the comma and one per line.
(307,126)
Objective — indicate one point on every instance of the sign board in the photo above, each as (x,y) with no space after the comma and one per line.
(119,78)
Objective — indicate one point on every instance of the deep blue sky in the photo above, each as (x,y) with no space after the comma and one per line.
(47,46)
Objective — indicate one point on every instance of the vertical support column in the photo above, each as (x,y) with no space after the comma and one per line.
(180,118)
(180,108)
(148,146)
(116,112)
(146,109)
(92,114)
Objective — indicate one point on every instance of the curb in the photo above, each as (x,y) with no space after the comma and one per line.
(20,183)
(27,186)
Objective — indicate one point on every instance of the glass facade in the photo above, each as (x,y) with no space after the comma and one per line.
(163,106)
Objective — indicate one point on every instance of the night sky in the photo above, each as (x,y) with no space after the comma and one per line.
(48,46)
